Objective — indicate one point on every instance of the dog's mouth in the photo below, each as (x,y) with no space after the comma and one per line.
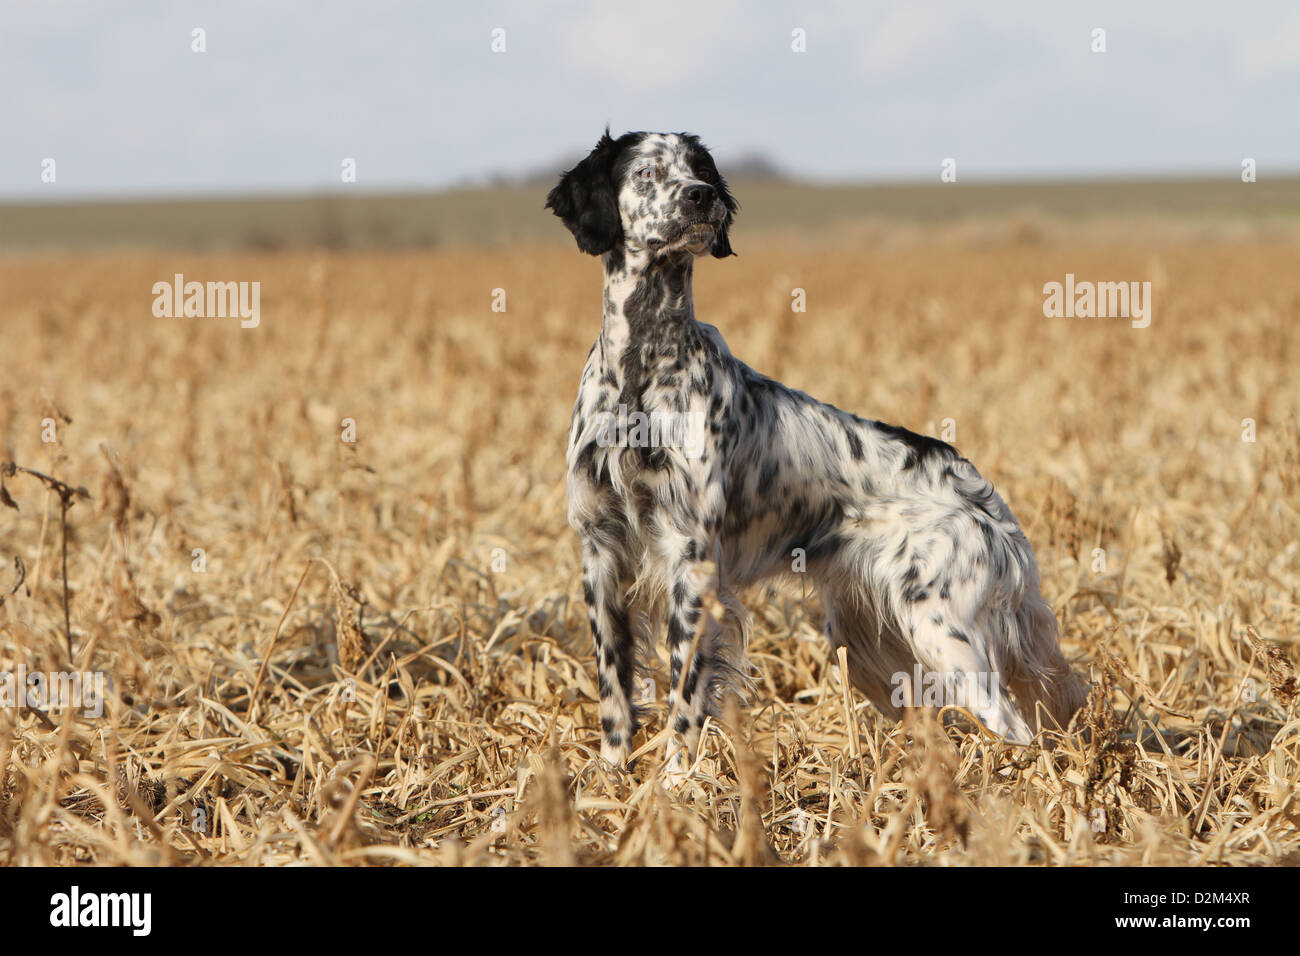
(691,235)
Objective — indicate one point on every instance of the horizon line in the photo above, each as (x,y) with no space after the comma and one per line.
(354,190)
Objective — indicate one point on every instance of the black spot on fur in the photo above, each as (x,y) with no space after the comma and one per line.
(855,442)
(920,448)
(913,591)
(680,593)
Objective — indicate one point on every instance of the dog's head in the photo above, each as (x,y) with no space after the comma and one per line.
(658,192)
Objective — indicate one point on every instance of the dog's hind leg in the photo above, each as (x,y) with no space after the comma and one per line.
(1039,673)
(876,656)
(719,668)
(962,668)
(938,663)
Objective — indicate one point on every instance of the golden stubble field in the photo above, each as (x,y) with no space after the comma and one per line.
(384,658)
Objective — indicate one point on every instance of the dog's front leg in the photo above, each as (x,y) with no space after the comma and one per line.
(607,612)
(688,578)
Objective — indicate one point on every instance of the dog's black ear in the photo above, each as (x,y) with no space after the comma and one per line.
(721,242)
(586,199)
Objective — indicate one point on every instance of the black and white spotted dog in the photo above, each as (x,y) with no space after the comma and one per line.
(691,474)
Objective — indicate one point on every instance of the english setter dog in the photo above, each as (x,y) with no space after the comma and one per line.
(727,477)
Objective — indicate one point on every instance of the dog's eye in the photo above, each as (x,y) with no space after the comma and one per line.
(646,173)
(706,176)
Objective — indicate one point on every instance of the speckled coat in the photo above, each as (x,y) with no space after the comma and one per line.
(918,560)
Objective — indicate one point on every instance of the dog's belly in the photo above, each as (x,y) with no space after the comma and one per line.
(781,536)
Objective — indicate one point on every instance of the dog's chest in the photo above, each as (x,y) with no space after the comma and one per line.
(641,419)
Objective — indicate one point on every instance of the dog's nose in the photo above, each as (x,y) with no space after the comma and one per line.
(701,196)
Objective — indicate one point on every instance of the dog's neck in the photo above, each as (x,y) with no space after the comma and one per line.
(647,301)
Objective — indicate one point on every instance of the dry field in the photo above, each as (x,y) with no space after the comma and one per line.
(384,657)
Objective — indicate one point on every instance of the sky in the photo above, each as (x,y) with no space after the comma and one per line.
(416,95)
